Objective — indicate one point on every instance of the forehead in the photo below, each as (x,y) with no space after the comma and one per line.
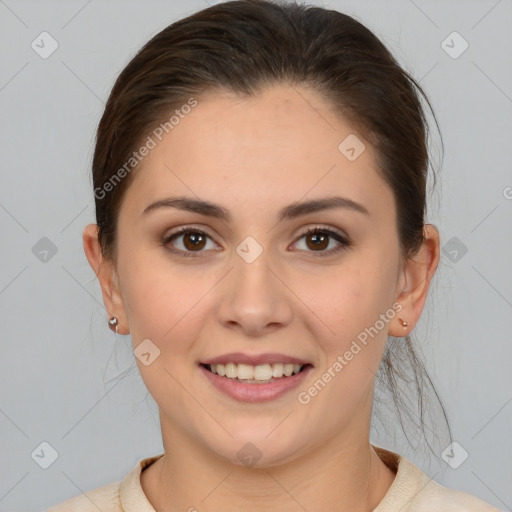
(274,147)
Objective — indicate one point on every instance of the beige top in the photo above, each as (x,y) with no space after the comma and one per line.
(411,491)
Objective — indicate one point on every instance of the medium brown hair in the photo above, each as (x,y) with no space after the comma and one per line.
(245,45)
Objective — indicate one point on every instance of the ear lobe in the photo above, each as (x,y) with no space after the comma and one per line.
(106,273)
(418,272)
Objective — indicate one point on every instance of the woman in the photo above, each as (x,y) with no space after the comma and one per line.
(259,175)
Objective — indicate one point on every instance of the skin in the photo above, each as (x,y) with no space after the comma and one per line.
(253,157)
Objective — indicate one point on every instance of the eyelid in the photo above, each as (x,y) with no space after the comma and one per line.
(344,242)
(321,227)
(186,228)
(181,230)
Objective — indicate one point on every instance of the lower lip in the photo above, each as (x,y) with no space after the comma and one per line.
(253,392)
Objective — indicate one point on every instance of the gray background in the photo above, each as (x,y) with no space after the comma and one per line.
(66,381)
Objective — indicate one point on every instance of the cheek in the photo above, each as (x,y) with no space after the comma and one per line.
(349,302)
(346,301)
(158,297)
(165,307)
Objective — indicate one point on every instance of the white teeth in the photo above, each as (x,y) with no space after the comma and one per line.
(231,371)
(288,369)
(245,371)
(277,370)
(262,372)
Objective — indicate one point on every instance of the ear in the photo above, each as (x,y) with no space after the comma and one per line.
(107,276)
(414,282)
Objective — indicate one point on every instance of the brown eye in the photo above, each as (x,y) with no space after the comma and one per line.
(317,241)
(323,241)
(189,242)
(194,241)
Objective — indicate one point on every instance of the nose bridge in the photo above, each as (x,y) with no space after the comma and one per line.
(255,297)
(253,279)
(254,274)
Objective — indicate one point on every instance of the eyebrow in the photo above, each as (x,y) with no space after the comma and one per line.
(288,212)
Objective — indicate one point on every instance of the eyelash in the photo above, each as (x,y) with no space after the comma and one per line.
(344,243)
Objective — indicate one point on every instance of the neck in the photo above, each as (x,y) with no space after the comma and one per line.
(345,474)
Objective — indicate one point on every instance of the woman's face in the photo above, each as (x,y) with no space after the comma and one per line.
(256,283)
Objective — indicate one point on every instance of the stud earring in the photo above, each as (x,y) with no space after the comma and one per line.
(113,324)
(404,323)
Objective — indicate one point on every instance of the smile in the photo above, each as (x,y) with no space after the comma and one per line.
(254,374)
(259,383)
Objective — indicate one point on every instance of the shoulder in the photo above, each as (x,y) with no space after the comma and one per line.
(414,491)
(104,498)
(435,497)
(114,497)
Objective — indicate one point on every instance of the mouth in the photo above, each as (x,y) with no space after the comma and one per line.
(255,383)
(256,374)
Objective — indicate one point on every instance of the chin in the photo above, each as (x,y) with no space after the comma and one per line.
(258,452)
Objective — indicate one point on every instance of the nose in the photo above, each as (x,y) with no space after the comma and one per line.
(254,298)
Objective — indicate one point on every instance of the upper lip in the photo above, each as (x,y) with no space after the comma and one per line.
(254,360)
